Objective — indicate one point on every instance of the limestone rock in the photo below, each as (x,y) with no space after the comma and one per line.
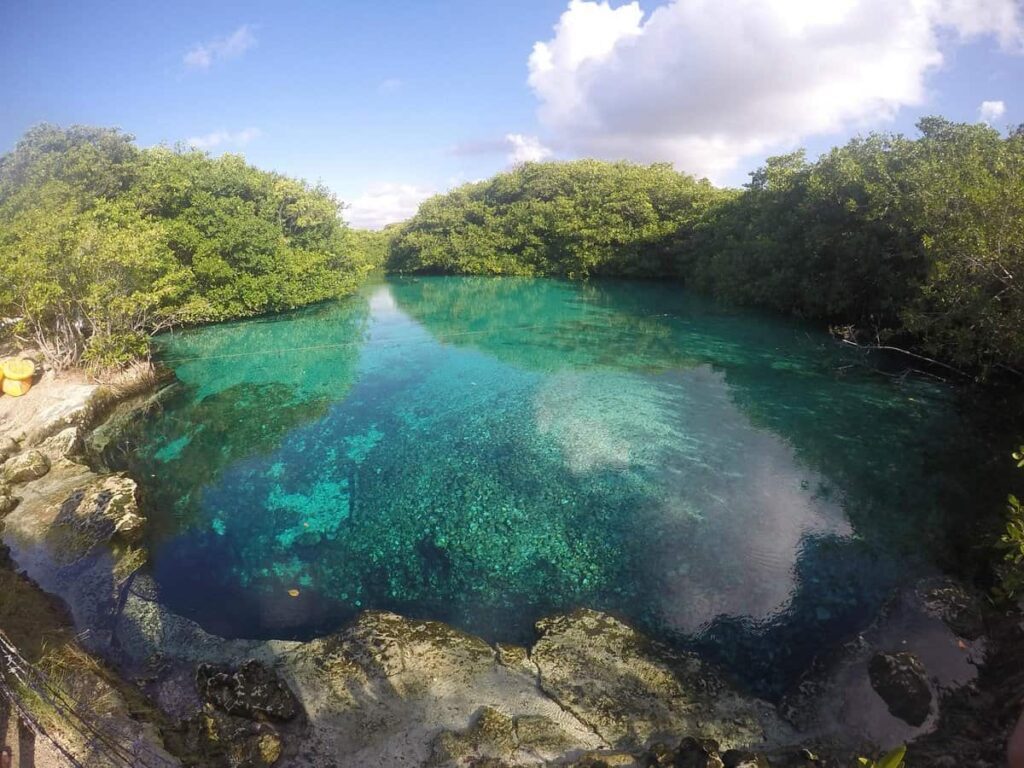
(390,690)
(107,507)
(28,466)
(901,682)
(512,655)
(389,643)
(660,754)
(212,738)
(66,443)
(497,736)
(491,736)
(252,691)
(537,733)
(630,692)
(54,404)
(7,500)
(741,758)
(8,447)
(606,758)
(697,753)
(801,757)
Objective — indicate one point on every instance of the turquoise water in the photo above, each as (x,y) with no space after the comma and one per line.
(487,451)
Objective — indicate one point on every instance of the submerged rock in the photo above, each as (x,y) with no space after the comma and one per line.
(901,682)
(27,467)
(837,702)
(253,691)
(958,607)
(108,506)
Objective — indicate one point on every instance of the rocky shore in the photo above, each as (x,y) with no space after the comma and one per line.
(392,691)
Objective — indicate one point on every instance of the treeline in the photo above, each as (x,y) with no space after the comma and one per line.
(573,219)
(909,241)
(103,243)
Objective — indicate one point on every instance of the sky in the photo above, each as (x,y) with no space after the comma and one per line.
(388,102)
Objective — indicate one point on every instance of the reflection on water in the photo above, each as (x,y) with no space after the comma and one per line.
(486,451)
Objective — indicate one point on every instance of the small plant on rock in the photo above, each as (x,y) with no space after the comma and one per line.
(893,759)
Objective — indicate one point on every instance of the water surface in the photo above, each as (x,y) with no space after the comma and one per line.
(487,451)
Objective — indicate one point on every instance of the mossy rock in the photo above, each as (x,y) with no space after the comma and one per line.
(105,508)
(7,501)
(252,691)
(491,736)
(27,467)
(212,739)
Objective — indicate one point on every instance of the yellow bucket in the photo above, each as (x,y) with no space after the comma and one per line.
(17,376)
(16,388)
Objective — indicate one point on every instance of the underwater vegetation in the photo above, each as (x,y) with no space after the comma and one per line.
(486,451)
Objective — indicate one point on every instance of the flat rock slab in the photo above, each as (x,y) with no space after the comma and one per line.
(387,689)
(53,404)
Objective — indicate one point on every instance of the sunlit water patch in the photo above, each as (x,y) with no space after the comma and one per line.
(486,451)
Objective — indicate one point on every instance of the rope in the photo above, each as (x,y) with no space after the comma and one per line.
(105,740)
(24,716)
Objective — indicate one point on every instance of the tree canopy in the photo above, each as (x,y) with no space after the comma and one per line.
(575,219)
(907,240)
(103,243)
(900,239)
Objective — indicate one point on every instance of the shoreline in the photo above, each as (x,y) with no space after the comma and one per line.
(386,690)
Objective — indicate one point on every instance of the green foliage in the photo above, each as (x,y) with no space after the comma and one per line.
(815,239)
(366,248)
(893,759)
(907,240)
(573,219)
(1011,570)
(967,192)
(103,244)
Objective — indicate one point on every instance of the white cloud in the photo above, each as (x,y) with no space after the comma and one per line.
(990,111)
(704,83)
(203,55)
(384,204)
(525,149)
(390,85)
(223,138)
(516,147)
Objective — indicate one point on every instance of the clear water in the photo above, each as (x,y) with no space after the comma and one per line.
(487,451)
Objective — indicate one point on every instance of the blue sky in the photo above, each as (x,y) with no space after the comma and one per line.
(388,101)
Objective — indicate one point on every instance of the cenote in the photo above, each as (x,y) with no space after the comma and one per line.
(485,451)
